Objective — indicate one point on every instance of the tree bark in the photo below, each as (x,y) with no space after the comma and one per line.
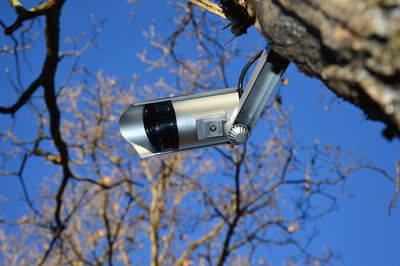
(350,45)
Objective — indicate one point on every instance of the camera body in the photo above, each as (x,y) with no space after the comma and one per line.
(179,123)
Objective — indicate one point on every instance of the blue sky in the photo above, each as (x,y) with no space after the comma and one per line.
(361,228)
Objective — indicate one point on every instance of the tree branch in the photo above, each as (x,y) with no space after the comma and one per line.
(330,41)
(209,6)
(23,99)
(28,14)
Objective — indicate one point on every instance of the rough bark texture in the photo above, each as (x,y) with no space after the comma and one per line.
(351,45)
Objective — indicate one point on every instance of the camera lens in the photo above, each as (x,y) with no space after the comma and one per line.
(160,124)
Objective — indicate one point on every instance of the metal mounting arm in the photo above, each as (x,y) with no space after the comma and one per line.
(265,77)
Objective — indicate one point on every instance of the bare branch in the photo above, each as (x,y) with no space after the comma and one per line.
(209,6)
(27,14)
(23,99)
(195,244)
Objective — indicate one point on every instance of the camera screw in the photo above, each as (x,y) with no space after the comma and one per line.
(213,128)
(238,134)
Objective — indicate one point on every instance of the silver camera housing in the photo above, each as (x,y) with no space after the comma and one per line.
(179,123)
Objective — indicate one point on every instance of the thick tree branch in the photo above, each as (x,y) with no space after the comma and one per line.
(352,46)
(50,67)
(28,14)
(52,32)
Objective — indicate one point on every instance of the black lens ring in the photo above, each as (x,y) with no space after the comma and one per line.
(159,121)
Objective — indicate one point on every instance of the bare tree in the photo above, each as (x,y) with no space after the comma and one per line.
(98,204)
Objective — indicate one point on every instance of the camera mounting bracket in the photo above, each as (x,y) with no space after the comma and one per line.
(266,75)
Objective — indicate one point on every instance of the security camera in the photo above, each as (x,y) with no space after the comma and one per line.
(178,123)
(204,119)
